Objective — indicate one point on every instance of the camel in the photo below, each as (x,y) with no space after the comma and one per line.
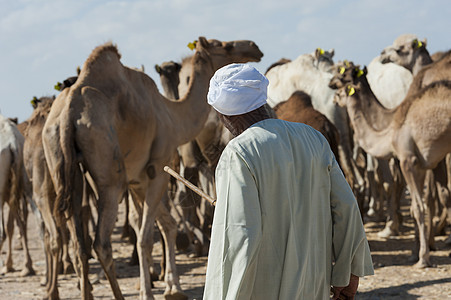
(407,51)
(169,76)
(197,162)
(280,62)
(435,71)
(117,125)
(14,191)
(304,73)
(417,132)
(299,108)
(312,73)
(55,236)
(389,82)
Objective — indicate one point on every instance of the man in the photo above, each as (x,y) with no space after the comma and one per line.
(286,224)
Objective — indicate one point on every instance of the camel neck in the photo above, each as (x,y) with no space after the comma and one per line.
(375,142)
(191,112)
(377,115)
(423,59)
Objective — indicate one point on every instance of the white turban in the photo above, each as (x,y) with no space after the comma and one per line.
(237,89)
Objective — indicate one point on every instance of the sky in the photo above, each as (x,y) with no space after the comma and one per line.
(43,41)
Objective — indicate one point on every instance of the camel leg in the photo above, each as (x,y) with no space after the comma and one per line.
(107,213)
(68,267)
(153,194)
(430,197)
(46,278)
(442,194)
(414,177)
(394,189)
(77,231)
(8,267)
(21,220)
(145,246)
(52,243)
(53,253)
(168,229)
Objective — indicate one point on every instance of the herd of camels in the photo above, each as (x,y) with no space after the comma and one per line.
(109,133)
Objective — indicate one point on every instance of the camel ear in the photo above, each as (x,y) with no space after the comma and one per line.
(332,52)
(34,102)
(178,66)
(58,86)
(319,52)
(203,42)
(158,69)
(358,72)
(78,70)
(425,42)
(416,44)
(365,70)
(228,46)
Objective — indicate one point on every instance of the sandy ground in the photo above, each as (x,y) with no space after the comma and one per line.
(394,278)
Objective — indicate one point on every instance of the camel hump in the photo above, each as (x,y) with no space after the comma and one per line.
(102,54)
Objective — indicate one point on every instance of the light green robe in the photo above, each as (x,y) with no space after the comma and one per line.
(284,214)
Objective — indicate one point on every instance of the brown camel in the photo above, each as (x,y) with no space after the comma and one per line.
(169,76)
(15,191)
(55,235)
(198,162)
(417,132)
(299,108)
(123,131)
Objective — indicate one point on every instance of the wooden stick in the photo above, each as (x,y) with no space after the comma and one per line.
(190,185)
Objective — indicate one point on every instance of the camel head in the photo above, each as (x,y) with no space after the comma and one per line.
(324,58)
(169,77)
(43,103)
(347,80)
(224,53)
(404,51)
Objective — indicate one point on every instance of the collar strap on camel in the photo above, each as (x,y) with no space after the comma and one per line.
(341,70)
(190,185)
(350,90)
(192,45)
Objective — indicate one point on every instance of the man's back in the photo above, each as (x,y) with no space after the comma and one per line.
(288,195)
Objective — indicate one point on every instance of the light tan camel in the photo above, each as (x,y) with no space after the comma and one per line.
(407,51)
(55,236)
(435,71)
(197,161)
(15,191)
(123,131)
(417,132)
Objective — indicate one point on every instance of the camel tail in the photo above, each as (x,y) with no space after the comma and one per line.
(66,165)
